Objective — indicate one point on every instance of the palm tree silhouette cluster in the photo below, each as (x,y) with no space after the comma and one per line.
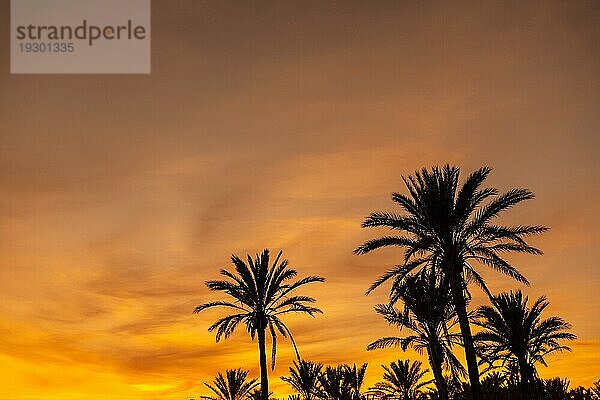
(447,232)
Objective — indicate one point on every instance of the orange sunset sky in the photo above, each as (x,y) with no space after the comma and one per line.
(280,124)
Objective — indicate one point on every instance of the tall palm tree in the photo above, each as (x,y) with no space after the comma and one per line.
(232,386)
(428,314)
(403,380)
(516,334)
(451,227)
(304,378)
(262,293)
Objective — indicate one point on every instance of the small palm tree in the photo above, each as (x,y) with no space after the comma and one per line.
(304,378)
(428,315)
(262,293)
(556,389)
(581,393)
(451,227)
(232,386)
(353,380)
(342,382)
(495,386)
(596,389)
(331,381)
(403,380)
(257,395)
(514,333)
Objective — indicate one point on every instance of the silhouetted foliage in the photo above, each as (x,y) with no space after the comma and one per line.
(556,388)
(232,386)
(262,293)
(446,230)
(403,380)
(517,336)
(257,395)
(596,389)
(451,227)
(428,315)
(342,382)
(304,378)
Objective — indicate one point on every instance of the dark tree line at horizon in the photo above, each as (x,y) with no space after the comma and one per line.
(447,231)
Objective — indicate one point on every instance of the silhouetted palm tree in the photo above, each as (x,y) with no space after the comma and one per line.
(262,294)
(232,386)
(596,389)
(353,380)
(403,380)
(556,388)
(342,382)
(331,381)
(494,386)
(304,378)
(257,395)
(581,393)
(428,314)
(514,333)
(447,225)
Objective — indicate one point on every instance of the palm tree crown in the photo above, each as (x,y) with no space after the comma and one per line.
(261,294)
(429,316)
(304,378)
(451,227)
(515,333)
(354,377)
(232,386)
(342,382)
(403,380)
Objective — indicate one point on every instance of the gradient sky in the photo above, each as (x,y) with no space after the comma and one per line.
(280,124)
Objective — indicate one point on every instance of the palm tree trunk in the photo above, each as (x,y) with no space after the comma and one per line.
(436,367)
(460,304)
(525,379)
(264,379)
